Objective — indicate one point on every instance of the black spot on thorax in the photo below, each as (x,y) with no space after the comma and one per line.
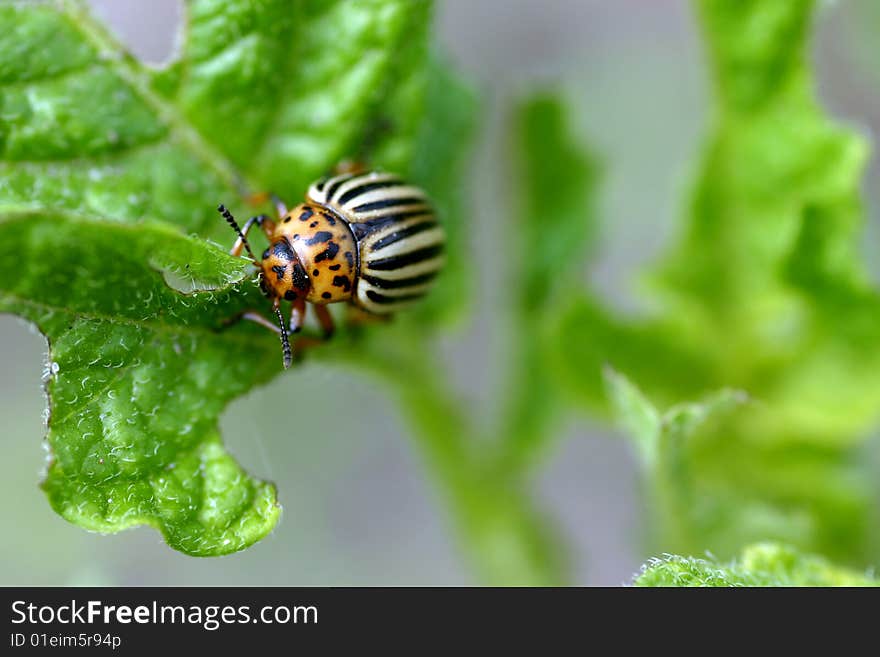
(319,238)
(329,253)
(343,282)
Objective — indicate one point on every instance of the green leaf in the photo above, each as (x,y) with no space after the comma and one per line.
(104,135)
(103,161)
(87,134)
(137,378)
(764,564)
(301,82)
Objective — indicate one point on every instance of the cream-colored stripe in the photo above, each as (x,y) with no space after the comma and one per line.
(394,226)
(389,212)
(385,194)
(406,244)
(363,179)
(321,196)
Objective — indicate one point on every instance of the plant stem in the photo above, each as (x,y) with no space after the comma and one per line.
(505,537)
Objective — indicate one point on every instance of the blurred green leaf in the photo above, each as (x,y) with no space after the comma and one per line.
(710,486)
(765,564)
(439,160)
(768,282)
(658,435)
(769,258)
(665,442)
(765,291)
(654,352)
(98,150)
(558,223)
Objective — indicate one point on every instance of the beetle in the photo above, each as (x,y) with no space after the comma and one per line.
(367,238)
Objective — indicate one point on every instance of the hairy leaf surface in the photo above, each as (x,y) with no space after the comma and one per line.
(764,564)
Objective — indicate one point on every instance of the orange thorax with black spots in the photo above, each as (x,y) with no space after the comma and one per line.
(313,256)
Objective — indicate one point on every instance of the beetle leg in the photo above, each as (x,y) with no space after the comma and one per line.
(297,315)
(255,317)
(258,198)
(302,343)
(280,207)
(325,319)
(349,166)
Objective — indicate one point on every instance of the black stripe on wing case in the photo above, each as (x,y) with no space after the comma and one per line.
(382,299)
(389,203)
(402,233)
(397,283)
(364,228)
(332,189)
(404,259)
(354,192)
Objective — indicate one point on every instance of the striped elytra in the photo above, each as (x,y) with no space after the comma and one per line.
(399,242)
(369,239)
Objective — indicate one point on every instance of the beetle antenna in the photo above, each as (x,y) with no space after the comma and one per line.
(285,340)
(232,222)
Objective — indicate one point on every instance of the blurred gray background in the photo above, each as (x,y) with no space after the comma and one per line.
(357,507)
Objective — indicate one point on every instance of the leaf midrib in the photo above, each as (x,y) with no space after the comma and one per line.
(97,36)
